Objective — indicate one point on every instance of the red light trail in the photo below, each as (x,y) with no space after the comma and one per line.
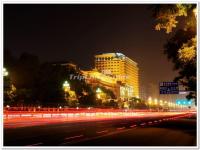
(14,119)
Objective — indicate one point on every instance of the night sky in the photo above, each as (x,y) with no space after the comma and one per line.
(77,32)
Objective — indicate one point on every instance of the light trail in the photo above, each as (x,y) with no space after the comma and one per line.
(121,128)
(22,119)
(133,126)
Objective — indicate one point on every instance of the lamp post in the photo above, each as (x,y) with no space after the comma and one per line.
(98,91)
(66,88)
(156,102)
(161,105)
(5,72)
(150,102)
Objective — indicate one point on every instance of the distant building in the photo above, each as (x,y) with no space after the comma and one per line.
(121,67)
(142,88)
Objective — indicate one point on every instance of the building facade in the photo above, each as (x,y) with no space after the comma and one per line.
(122,68)
(97,79)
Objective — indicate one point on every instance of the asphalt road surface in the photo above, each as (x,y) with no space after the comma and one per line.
(156,131)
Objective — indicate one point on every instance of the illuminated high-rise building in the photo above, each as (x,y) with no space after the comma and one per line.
(121,67)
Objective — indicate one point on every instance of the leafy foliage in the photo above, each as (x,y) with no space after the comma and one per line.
(43,83)
(167,15)
(181,48)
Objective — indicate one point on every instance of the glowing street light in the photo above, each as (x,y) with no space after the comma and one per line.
(98,91)
(169,104)
(155,101)
(66,88)
(5,72)
(161,102)
(149,101)
(150,98)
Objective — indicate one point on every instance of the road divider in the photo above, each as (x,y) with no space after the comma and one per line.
(104,131)
(74,137)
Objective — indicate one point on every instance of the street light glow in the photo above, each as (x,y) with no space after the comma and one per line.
(155,101)
(149,98)
(66,86)
(98,90)
(161,102)
(5,72)
(149,101)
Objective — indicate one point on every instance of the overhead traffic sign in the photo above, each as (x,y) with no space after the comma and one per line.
(169,88)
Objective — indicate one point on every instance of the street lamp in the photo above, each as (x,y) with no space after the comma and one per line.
(5,72)
(149,101)
(98,91)
(161,102)
(66,88)
(155,101)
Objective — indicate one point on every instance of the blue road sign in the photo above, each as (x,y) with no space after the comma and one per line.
(169,88)
(183,102)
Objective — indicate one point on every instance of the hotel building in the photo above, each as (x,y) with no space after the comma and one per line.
(120,67)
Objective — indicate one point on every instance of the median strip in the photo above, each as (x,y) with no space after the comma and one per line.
(121,128)
(36,144)
(73,137)
(133,126)
(104,131)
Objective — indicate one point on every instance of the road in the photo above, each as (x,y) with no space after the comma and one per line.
(174,130)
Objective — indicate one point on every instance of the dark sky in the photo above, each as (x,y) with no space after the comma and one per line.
(78,32)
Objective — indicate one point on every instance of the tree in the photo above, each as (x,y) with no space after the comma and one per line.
(49,86)
(22,73)
(109,93)
(181,47)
